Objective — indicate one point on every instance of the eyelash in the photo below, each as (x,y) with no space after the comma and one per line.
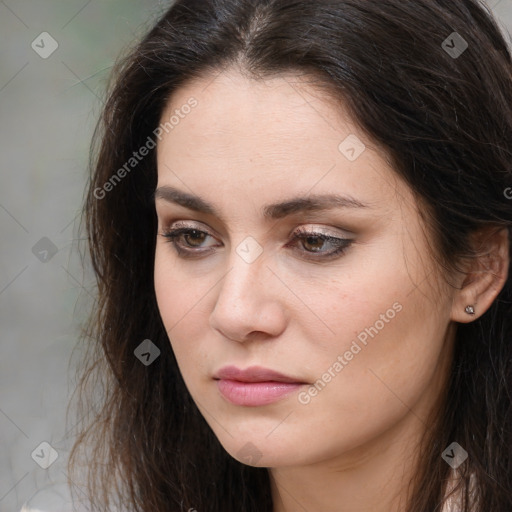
(301,234)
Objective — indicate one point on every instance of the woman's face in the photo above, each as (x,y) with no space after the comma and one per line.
(359,323)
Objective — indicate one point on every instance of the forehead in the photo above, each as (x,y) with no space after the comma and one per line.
(282,107)
(264,136)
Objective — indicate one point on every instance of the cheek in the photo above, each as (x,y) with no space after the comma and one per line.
(179,293)
(371,388)
(386,342)
(181,300)
(384,360)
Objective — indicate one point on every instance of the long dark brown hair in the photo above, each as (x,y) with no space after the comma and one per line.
(444,120)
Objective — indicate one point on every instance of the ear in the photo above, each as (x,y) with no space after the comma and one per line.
(485,276)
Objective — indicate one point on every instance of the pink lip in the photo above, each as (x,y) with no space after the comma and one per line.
(254,386)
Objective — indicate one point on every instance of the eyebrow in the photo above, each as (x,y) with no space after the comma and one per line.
(311,203)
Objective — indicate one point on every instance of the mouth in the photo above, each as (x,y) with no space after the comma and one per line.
(255,386)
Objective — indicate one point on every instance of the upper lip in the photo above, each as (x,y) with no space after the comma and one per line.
(253,374)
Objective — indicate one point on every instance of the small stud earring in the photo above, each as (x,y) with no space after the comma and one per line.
(470,310)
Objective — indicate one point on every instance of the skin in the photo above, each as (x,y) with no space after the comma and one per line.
(249,143)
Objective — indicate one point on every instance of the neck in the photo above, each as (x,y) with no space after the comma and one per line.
(373,478)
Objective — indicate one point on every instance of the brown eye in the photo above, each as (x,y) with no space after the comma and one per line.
(188,242)
(194,237)
(313,243)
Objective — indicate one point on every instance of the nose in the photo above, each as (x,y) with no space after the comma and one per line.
(249,302)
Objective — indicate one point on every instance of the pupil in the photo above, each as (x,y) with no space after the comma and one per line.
(195,235)
(317,239)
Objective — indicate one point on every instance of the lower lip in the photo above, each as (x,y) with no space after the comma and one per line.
(254,394)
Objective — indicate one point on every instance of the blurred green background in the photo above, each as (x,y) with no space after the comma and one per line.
(49,104)
(48,110)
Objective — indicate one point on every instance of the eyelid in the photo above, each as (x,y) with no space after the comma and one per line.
(302,230)
(184,224)
(322,230)
(326,231)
